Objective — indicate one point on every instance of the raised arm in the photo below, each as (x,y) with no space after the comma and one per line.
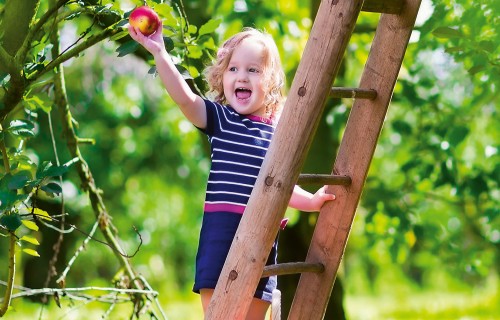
(308,202)
(191,104)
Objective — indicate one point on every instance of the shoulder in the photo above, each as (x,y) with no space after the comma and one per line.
(221,111)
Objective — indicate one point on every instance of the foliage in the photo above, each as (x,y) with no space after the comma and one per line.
(32,83)
(431,198)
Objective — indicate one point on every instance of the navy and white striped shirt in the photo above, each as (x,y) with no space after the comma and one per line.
(238,146)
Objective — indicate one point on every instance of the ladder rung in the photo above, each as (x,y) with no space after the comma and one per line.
(337,92)
(384,6)
(324,179)
(292,268)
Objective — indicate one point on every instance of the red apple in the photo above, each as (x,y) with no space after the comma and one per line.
(145,19)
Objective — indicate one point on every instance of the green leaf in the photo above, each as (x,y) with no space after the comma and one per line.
(19,180)
(42,214)
(192,29)
(4,78)
(46,169)
(194,71)
(7,199)
(22,128)
(30,225)
(21,124)
(39,101)
(152,70)
(169,43)
(24,133)
(477,185)
(402,127)
(73,16)
(11,221)
(31,252)
(477,68)
(127,47)
(104,9)
(209,27)
(120,34)
(165,10)
(42,168)
(122,22)
(210,44)
(55,171)
(43,81)
(488,46)
(184,72)
(412,163)
(454,49)
(20,162)
(52,187)
(447,32)
(457,134)
(30,240)
(195,52)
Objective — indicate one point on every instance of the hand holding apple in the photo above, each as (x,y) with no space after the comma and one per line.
(144,18)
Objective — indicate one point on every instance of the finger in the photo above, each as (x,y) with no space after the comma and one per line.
(160,27)
(132,31)
(158,34)
(329,196)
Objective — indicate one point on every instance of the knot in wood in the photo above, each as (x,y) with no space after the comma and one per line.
(269,181)
(233,275)
(302,91)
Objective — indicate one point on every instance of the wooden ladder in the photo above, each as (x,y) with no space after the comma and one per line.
(330,34)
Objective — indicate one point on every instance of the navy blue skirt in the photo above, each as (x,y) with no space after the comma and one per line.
(217,233)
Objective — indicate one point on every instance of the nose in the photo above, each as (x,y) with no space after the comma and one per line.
(242,76)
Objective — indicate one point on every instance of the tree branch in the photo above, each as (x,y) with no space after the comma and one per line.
(23,51)
(86,177)
(62,277)
(15,23)
(108,32)
(6,60)
(12,244)
(12,274)
(33,292)
(27,292)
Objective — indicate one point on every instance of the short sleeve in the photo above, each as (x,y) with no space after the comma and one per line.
(211,117)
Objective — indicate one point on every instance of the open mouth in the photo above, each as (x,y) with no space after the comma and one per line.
(243,93)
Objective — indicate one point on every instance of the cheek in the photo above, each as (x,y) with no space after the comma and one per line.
(224,82)
(261,85)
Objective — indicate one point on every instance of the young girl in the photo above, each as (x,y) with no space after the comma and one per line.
(247,81)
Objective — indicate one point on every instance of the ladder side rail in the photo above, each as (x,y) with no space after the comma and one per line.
(353,159)
(259,225)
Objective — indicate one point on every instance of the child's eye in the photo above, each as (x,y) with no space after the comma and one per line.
(232,69)
(253,70)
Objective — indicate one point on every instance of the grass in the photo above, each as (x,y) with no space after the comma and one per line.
(441,302)
(186,308)
(391,301)
(428,306)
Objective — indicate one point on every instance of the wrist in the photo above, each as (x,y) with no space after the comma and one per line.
(161,53)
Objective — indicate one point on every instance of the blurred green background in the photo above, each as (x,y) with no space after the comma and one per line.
(425,243)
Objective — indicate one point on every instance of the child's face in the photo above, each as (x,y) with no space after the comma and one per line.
(242,80)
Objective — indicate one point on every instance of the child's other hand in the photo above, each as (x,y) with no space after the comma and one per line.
(305,201)
(153,43)
(320,197)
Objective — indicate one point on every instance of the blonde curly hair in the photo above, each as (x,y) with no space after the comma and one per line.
(274,77)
